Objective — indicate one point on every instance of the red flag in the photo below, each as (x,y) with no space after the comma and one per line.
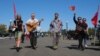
(72,8)
(14,8)
(95,18)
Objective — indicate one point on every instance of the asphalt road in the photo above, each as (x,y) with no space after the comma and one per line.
(66,48)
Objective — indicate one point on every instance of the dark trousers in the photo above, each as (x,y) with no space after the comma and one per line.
(80,39)
(33,38)
(22,38)
(80,42)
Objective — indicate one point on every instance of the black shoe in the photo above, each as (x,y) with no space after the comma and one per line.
(82,48)
(18,49)
(34,47)
(79,47)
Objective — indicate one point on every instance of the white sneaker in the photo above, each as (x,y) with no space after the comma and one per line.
(86,46)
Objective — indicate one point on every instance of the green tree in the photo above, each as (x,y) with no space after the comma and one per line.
(2,29)
(91,31)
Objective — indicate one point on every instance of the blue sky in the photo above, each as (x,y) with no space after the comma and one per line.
(46,9)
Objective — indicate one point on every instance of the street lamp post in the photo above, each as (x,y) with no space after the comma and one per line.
(66,30)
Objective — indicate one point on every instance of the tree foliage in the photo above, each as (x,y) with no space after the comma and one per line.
(91,31)
(3,29)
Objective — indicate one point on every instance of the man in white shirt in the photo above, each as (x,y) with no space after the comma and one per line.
(33,32)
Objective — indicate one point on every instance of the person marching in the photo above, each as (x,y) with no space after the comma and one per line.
(18,28)
(32,25)
(55,27)
(79,31)
(85,27)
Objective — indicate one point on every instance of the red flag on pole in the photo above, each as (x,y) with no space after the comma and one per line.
(95,18)
(72,8)
(14,8)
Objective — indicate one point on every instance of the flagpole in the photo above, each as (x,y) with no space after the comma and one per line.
(95,36)
(14,9)
(96,27)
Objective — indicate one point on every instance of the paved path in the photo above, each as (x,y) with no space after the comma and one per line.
(66,48)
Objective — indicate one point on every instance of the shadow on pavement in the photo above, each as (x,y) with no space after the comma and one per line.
(96,49)
(51,47)
(72,47)
(27,46)
(13,48)
(76,47)
(17,49)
